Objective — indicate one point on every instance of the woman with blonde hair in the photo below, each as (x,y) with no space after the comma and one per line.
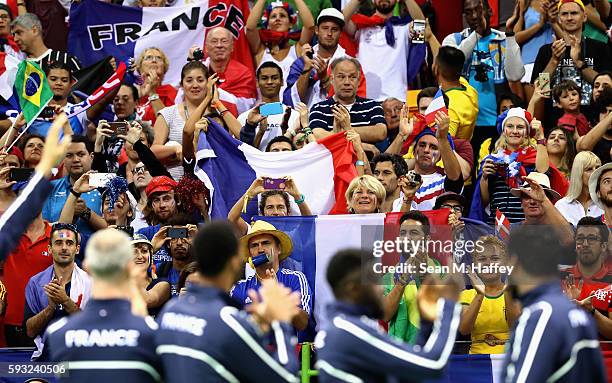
(152,64)
(577,203)
(515,156)
(364,195)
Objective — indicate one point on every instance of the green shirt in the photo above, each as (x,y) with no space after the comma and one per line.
(406,322)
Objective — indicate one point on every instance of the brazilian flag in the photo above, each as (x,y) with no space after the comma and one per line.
(32,89)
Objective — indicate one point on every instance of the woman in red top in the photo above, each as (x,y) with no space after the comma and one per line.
(152,64)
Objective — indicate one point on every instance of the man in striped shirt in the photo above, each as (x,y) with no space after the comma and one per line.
(28,33)
(345,110)
(262,241)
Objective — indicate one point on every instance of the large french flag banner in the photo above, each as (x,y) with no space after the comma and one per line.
(317,238)
(321,170)
(99,29)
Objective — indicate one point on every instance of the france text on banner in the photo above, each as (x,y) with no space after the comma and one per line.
(99,29)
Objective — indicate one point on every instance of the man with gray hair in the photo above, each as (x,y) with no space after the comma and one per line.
(345,110)
(106,342)
(28,34)
(234,77)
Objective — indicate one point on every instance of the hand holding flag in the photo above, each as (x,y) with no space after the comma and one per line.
(438,104)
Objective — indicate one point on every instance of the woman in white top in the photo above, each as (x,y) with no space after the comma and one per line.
(272,42)
(167,144)
(577,202)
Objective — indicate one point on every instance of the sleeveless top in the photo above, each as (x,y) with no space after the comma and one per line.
(285,64)
(175,133)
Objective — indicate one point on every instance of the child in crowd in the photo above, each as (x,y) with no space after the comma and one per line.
(566,95)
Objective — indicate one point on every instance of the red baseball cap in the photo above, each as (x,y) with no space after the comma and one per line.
(160,184)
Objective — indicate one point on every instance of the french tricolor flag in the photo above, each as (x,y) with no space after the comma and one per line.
(8,72)
(438,104)
(321,170)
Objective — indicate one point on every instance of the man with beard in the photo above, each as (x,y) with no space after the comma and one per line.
(590,273)
(401,289)
(353,345)
(600,188)
(309,78)
(388,168)
(258,130)
(162,204)
(385,49)
(345,110)
(177,235)
(263,249)
(88,204)
(203,334)
(493,59)
(552,340)
(234,77)
(58,291)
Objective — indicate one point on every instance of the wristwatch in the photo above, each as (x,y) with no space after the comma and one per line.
(153,97)
(76,194)
(86,215)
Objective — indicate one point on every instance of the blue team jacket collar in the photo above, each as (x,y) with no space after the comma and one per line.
(339,307)
(535,294)
(208,293)
(116,304)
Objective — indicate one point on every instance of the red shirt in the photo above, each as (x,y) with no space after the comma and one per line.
(28,259)
(601,279)
(144,110)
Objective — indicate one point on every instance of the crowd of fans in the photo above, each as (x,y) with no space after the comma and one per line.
(526,136)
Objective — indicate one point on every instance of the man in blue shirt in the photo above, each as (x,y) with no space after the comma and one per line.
(89,205)
(353,347)
(177,237)
(492,59)
(106,342)
(204,337)
(60,80)
(264,248)
(163,204)
(553,340)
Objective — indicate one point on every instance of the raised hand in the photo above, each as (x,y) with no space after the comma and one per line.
(406,124)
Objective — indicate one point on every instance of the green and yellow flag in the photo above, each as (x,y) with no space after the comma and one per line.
(32,88)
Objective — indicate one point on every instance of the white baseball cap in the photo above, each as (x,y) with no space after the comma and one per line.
(331,13)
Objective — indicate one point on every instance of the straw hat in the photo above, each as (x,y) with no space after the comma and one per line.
(263,227)
(542,180)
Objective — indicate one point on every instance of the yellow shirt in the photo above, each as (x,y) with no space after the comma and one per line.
(462,110)
(490,323)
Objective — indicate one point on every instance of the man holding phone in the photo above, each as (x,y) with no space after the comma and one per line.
(272,118)
(263,249)
(177,235)
(60,81)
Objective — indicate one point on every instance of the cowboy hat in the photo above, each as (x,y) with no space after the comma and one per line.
(263,227)
(594,181)
(542,180)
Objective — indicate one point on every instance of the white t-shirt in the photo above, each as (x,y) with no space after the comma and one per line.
(425,197)
(274,125)
(573,211)
(385,67)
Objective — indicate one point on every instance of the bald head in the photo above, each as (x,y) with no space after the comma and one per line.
(219,44)
(108,254)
